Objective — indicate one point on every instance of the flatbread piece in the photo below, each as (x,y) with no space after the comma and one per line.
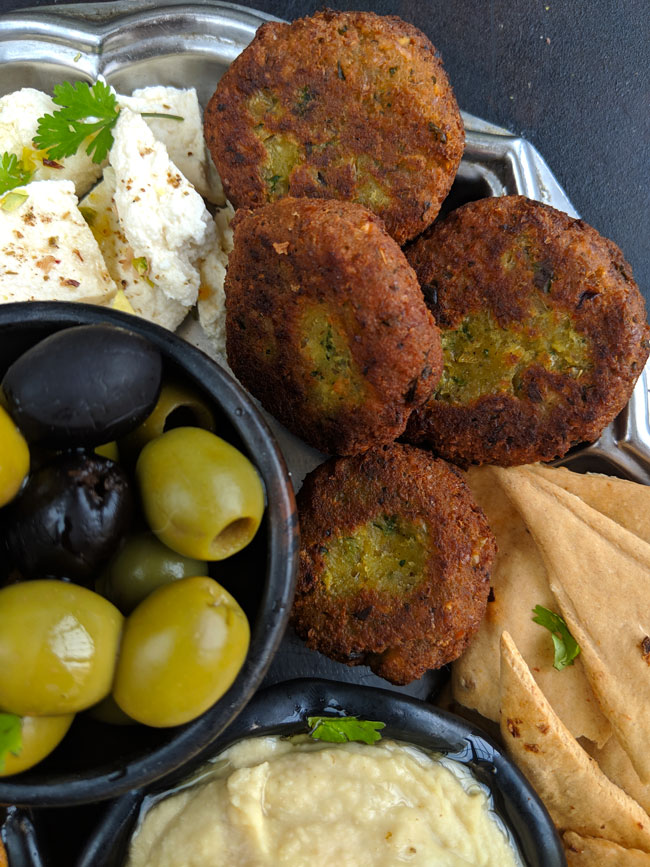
(578,796)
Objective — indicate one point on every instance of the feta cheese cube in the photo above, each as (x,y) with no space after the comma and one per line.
(19,114)
(183,139)
(163,217)
(146,299)
(47,251)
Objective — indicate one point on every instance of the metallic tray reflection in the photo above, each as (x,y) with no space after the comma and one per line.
(134,44)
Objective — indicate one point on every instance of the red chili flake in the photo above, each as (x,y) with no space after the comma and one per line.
(52,164)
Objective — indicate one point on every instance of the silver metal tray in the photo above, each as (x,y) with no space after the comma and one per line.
(133,44)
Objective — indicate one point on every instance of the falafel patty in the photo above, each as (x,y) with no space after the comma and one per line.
(326,324)
(543,331)
(394,562)
(345,105)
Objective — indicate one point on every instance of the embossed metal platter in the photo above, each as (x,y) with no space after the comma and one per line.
(134,44)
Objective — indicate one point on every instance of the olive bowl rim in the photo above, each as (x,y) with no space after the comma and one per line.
(282,709)
(109,781)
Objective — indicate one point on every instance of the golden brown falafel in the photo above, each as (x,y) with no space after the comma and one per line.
(347,105)
(543,329)
(326,324)
(394,562)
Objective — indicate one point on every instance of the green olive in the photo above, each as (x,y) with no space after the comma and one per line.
(14,458)
(201,496)
(39,735)
(58,647)
(181,650)
(143,564)
(178,405)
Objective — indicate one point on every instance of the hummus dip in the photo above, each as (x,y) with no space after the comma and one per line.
(304,803)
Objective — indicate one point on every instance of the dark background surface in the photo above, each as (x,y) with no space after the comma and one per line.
(571,76)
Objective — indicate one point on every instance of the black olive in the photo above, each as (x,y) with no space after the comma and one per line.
(83,386)
(69,518)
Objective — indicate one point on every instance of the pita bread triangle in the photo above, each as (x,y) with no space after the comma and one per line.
(599,574)
(627,503)
(519,582)
(595,852)
(578,796)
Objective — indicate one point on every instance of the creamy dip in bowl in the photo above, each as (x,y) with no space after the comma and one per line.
(333,791)
(294,801)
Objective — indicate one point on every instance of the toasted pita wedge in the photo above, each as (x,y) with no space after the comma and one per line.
(627,503)
(595,852)
(575,791)
(616,764)
(600,576)
(519,582)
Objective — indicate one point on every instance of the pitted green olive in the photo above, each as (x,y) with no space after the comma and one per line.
(39,736)
(14,458)
(58,647)
(182,648)
(201,496)
(178,405)
(142,565)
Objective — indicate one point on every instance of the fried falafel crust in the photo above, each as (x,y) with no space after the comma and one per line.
(347,105)
(326,324)
(411,589)
(543,327)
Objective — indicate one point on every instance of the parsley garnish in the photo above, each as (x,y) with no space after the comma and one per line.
(11,741)
(566,647)
(12,173)
(341,729)
(86,113)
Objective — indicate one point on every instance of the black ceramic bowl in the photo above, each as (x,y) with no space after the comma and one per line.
(283,709)
(95,760)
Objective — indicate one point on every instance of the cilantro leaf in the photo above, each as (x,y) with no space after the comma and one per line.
(341,729)
(12,173)
(566,647)
(11,741)
(80,100)
(86,112)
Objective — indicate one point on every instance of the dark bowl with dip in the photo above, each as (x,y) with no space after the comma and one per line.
(283,709)
(96,761)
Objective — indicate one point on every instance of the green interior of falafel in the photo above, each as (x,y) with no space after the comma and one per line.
(387,555)
(335,380)
(482,358)
(284,151)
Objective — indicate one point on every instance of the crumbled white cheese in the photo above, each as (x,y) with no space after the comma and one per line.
(183,139)
(223,219)
(212,297)
(19,114)
(47,251)
(161,214)
(146,299)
